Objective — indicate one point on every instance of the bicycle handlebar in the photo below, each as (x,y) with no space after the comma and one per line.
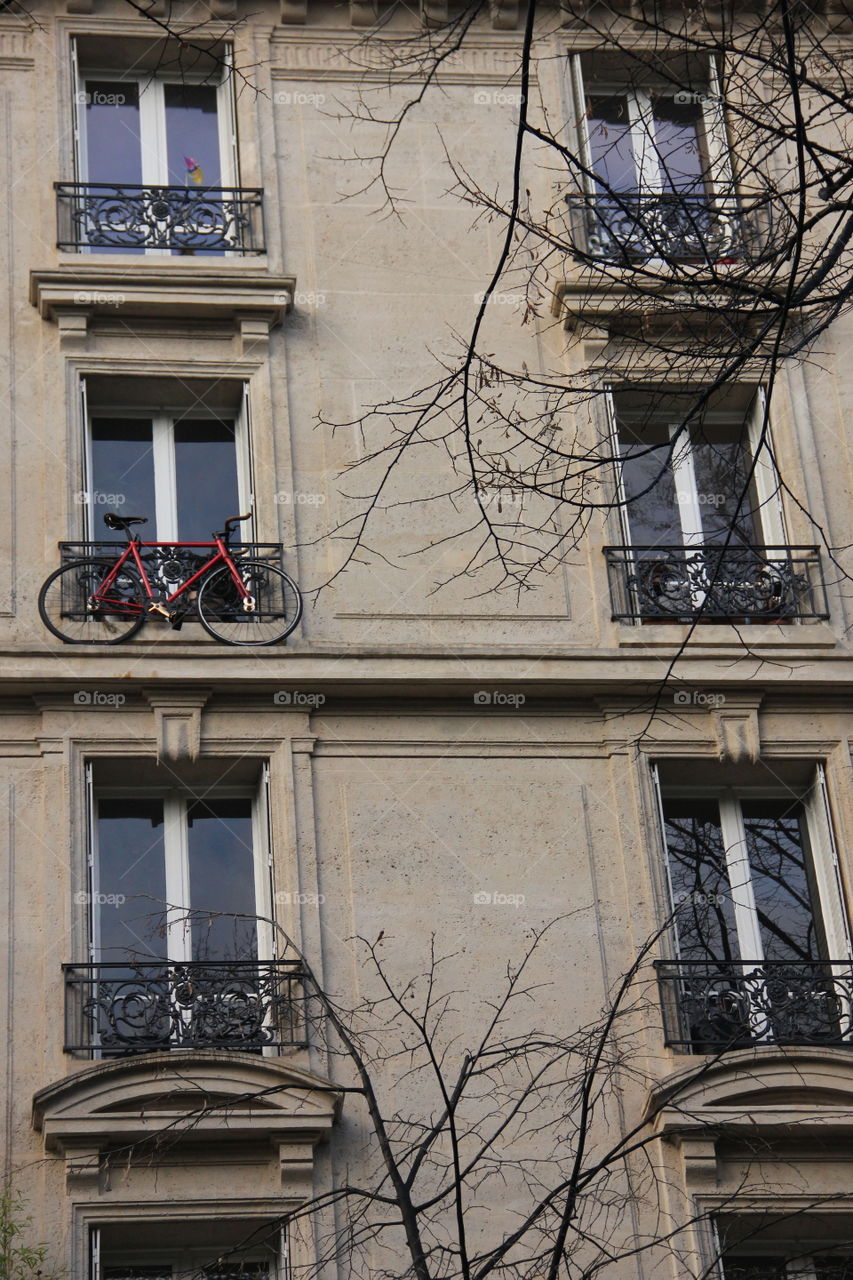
(228,530)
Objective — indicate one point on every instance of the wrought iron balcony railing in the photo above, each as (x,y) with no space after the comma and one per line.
(820,1268)
(716,584)
(168,563)
(711,1005)
(113,1009)
(633,227)
(122,216)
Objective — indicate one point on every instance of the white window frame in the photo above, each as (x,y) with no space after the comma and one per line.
(821,848)
(188,1266)
(769,514)
(178,906)
(830,907)
(152,118)
(163,421)
(802,1269)
(716,153)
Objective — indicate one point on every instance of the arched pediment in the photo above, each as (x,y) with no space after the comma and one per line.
(795,1091)
(194,1097)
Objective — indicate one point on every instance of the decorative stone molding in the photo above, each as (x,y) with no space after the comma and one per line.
(755,1095)
(434,13)
(700,1157)
(363,13)
(82,1166)
(504,14)
(345,56)
(737,731)
(177,713)
(188,1095)
(296,1163)
(16,49)
(74,296)
(294,12)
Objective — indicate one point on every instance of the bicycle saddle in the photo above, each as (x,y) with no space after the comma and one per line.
(112,521)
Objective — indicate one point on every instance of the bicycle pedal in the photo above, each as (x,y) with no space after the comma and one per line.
(154,607)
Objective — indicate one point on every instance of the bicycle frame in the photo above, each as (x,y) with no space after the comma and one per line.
(131,552)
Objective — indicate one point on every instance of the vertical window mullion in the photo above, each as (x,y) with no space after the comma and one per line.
(88,472)
(643,141)
(686,488)
(765,475)
(165,484)
(740,880)
(178,923)
(263,866)
(94,1253)
(152,132)
(245,468)
(227,123)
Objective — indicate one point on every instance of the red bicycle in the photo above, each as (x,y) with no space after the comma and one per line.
(239,601)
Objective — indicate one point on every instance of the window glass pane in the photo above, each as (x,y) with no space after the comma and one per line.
(609,132)
(131,879)
(122,469)
(677,133)
(721,464)
(192,135)
(781,880)
(649,484)
(700,887)
(222,880)
(206,477)
(113,148)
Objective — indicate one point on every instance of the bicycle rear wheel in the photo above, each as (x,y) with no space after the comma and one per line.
(278,605)
(68,610)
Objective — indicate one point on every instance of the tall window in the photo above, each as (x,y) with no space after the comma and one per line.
(187,468)
(187,1250)
(176,878)
(700,505)
(658,181)
(155,152)
(151,130)
(643,142)
(686,479)
(762,946)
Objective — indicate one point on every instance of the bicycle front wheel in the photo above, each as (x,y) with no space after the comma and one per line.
(72,608)
(277,609)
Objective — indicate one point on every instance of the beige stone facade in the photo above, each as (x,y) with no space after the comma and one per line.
(463,765)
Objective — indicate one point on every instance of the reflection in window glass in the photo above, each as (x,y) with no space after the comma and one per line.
(609,131)
(122,468)
(679,159)
(781,880)
(192,134)
(221,867)
(113,146)
(649,484)
(206,477)
(131,880)
(704,914)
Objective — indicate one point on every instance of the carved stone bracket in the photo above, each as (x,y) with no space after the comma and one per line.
(363,13)
(294,12)
(504,14)
(434,13)
(296,1163)
(178,718)
(700,1158)
(737,731)
(82,1167)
